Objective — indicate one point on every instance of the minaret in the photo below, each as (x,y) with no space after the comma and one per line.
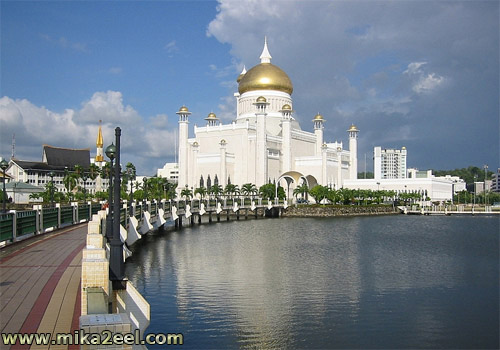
(324,150)
(339,167)
(194,173)
(183,146)
(286,131)
(353,152)
(318,132)
(223,168)
(99,159)
(265,56)
(261,144)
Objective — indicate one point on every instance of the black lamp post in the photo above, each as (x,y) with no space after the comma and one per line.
(110,153)
(51,175)
(4,165)
(116,263)
(84,178)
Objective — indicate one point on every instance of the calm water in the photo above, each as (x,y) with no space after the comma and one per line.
(361,282)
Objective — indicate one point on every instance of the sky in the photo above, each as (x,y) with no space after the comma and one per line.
(419,74)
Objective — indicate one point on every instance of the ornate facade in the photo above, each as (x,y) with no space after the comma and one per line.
(265,142)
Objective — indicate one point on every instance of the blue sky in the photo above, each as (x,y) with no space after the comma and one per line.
(418,74)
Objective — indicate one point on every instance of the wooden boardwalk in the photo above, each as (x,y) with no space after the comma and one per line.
(40,285)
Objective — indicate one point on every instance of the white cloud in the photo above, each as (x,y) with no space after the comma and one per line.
(171,47)
(115,70)
(65,43)
(423,82)
(147,144)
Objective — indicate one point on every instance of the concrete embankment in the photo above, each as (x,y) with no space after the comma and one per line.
(338,210)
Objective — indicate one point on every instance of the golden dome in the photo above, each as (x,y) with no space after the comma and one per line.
(195,144)
(223,142)
(286,107)
(403,148)
(353,128)
(211,116)
(183,109)
(318,117)
(265,76)
(261,99)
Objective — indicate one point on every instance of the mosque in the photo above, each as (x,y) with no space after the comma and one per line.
(265,143)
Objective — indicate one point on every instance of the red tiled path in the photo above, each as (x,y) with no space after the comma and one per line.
(40,286)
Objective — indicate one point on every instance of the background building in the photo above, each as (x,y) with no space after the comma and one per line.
(495,181)
(389,163)
(170,171)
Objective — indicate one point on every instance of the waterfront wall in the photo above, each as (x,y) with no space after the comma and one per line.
(337,210)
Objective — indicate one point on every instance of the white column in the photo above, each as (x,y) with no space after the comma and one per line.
(339,167)
(318,132)
(324,180)
(261,145)
(353,152)
(223,168)
(195,176)
(183,146)
(286,132)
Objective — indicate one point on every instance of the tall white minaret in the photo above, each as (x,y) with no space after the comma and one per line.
(353,152)
(183,147)
(318,132)
(99,158)
(261,144)
(223,168)
(286,131)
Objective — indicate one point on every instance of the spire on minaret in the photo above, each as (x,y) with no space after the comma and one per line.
(265,56)
(99,142)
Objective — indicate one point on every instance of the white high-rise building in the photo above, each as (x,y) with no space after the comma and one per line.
(389,163)
(264,142)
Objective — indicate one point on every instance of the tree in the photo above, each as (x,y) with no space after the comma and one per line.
(319,193)
(202,191)
(249,189)
(186,193)
(231,190)
(302,190)
(267,191)
(216,190)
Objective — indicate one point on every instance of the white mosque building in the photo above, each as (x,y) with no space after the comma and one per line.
(265,142)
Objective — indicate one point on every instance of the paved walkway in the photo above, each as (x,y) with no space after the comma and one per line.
(40,285)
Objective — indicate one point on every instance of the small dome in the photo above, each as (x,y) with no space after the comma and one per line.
(403,148)
(353,128)
(183,109)
(261,99)
(318,117)
(286,107)
(195,144)
(223,142)
(211,116)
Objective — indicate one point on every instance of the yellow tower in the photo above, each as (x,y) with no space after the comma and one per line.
(99,144)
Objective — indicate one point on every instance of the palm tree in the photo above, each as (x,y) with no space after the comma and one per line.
(216,190)
(186,193)
(202,191)
(302,190)
(248,189)
(230,190)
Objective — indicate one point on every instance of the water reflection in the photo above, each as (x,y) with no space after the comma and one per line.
(329,283)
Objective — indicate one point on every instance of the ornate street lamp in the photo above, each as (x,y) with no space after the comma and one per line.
(84,178)
(51,175)
(116,263)
(110,153)
(4,165)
